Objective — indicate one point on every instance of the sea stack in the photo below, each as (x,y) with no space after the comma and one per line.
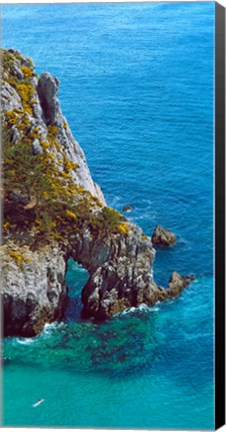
(163,237)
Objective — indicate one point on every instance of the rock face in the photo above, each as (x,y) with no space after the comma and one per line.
(117,255)
(47,91)
(33,288)
(43,114)
(121,276)
(121,273)
(177,283)
(163,237)
(120,269)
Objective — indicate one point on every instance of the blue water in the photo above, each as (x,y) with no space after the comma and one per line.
(137,90)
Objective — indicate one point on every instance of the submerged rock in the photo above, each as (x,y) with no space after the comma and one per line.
(163,237)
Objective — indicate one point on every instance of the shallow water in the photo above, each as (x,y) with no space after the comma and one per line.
(137,90)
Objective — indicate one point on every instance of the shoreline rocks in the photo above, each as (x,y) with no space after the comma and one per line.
(33,289)
(163,237)
(120,270)
(127,208)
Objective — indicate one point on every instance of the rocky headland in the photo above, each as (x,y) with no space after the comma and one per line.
(53,211)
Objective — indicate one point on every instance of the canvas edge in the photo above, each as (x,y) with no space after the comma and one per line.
(219,215)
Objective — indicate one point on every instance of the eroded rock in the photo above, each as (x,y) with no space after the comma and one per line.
(33,289)
(120,264)
(163,237)
(127,208)
(47,92)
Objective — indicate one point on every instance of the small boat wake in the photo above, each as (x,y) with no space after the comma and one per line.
(38,403)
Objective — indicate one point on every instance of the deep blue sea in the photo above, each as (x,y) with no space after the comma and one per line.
(137,91)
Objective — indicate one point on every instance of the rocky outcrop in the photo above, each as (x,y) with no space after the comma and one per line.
(120,269)
(65,218)
(163,237)
(177,283)
(41,110)
(127,208)
(126,280)
(47,91)
(33,288)
(121,276)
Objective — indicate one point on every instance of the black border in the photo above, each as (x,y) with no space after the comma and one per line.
(219,215)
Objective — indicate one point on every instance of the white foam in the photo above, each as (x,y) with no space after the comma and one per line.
(142,307)
(25,341)
(49,328)
(147,201)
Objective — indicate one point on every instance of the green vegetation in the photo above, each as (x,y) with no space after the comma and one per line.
(108,221)
(11,63)
(42,201)
(47,200)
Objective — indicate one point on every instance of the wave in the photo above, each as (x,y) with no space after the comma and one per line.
(25,341)
(143,308)
(50,327)
(147,214)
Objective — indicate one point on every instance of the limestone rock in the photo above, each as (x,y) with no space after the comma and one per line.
(120,263)
(121,273)
(10,99)
(37,149)
(47,92)
(33,289)
(177,283)
(44,113)
(163,237)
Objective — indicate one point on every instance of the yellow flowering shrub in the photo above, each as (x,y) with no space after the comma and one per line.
(70,214)
(26,71)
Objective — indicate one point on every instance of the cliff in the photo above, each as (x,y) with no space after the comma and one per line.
(53,211)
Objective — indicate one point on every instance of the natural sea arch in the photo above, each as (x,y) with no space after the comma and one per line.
(76,278)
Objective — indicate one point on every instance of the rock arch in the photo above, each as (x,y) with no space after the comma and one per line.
(120,276)
(121,272)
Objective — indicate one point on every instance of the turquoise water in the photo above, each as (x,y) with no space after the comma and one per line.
(137,90)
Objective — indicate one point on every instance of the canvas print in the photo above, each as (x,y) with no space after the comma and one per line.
(107,254)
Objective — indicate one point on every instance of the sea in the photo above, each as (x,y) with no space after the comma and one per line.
(137,89)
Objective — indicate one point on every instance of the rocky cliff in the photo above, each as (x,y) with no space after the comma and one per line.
(54,211)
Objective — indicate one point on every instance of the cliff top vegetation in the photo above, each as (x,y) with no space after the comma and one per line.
(42,200)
